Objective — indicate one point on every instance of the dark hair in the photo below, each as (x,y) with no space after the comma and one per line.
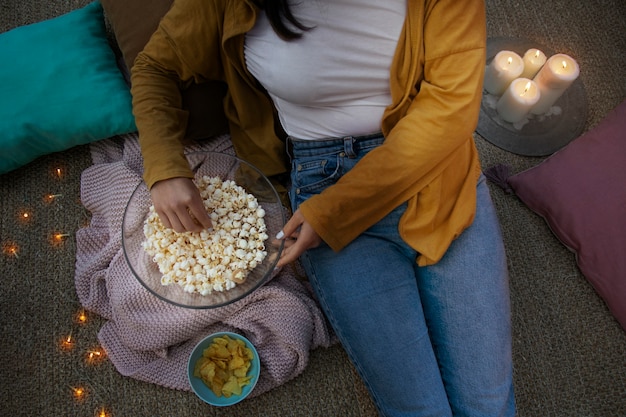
(281,18)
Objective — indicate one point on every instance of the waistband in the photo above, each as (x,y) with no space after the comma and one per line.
(349,144)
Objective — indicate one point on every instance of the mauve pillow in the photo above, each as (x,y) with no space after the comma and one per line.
(581,192)
(133,22)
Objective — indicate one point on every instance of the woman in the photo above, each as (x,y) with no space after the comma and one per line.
(392,220)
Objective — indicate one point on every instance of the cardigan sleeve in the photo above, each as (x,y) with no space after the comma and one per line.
(436,87)
(184,49)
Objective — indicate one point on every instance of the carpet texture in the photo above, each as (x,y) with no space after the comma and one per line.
(569,352)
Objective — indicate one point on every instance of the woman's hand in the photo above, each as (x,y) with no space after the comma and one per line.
(299,236)
(178,203)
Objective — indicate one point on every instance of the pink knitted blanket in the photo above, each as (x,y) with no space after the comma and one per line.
(151,340)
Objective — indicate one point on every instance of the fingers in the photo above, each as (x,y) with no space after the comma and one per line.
(198,216)
(290,254)
(299,236)
(291,227)
(179,205)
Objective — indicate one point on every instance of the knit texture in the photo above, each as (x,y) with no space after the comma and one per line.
(149,339)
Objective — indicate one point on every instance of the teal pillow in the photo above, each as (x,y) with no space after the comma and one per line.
(60,87)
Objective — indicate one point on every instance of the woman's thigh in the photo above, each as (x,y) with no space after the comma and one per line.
(369,293)
(465,297)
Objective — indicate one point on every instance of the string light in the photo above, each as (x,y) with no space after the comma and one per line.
(49,198)
(24,216)
(11,249)
(67,342)
(95,356)
(58,238)
(81,317)
(79,393)
(102,412)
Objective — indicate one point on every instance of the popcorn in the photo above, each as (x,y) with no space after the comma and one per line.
(211,260)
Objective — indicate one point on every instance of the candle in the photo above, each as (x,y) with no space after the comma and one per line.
(559,72)
(516,102)
(503,69)
(533,61)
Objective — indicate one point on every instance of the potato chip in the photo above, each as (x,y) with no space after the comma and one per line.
(224,366)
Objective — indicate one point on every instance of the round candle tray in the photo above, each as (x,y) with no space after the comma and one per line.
(538,135)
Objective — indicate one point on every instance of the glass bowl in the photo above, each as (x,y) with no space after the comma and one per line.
(212,164)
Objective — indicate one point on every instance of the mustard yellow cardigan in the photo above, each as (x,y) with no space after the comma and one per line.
(428,158)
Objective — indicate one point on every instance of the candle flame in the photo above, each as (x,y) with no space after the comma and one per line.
(564,63)
(537,52)
(509,60)
(526,88)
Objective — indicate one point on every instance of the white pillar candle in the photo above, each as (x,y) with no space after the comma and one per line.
(558,73)
(533,61)
(504,68)
(516,102)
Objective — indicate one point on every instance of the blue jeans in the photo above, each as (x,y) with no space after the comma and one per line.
(427,341)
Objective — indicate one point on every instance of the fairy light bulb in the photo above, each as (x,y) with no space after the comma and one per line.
(95,356)
(67,342)
(11,249)
(79,393)
(58,238)
(24,216)
(49,198)
(102,412)
(81,317)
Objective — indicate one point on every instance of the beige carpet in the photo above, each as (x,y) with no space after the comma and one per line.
(569,353)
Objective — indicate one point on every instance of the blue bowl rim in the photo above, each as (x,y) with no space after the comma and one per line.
(202,390)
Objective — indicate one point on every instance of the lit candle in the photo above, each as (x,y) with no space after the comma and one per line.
(505,67)
(533,61)
(516,102)
(559,72)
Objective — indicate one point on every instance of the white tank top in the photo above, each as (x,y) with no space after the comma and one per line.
(334,81)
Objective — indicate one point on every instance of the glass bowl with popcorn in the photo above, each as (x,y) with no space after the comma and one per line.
(215,267)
